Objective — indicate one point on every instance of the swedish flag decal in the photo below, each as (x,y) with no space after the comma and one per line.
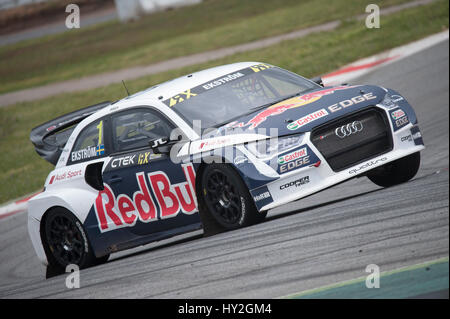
(100,150)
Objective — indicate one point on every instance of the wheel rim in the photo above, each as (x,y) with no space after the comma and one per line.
(65,240)
(222,197)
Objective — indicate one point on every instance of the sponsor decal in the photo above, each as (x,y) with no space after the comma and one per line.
(242,210)
(397,114)
(407,138)
(145,157)
(390,101)
(307,119)
(354,100)
(120,211)
(396,98)
(262,196)
(416,135)
(80,228)
(294,159)
(367,165)
(300,162)
(292,156)
(88,152)
(159,142)
(349,129)
(225,79)
(297,183)
(193,92)
(401,121)
(139,158)
(65,176)
(260,67)
(74,119)
(181,97)
(399,118)
(214,142)
(123,161)
(282,107)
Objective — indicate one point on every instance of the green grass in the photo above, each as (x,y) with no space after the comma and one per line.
(210,25)
(23,171)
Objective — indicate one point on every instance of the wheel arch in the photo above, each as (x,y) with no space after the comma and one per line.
(40,205)
(42,231)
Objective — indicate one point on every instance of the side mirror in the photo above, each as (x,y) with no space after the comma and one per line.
(159,145)
(317,80)
(163,145)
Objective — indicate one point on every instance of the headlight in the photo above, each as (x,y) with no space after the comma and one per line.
(270,147)
(390,101)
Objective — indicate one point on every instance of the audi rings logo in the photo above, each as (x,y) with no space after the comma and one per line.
(349,129)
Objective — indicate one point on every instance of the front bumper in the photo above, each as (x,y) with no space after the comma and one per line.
(310,179)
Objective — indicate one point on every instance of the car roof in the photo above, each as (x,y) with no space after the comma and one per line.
(154,96)
(173,87)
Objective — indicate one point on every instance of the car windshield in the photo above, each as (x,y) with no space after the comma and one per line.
(219,102)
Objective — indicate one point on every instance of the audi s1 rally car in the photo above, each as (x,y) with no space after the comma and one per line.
(215,149)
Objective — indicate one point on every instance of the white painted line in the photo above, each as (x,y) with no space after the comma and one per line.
(15,207)
(366,65)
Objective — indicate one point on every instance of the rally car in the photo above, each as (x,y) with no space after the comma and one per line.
(215,149)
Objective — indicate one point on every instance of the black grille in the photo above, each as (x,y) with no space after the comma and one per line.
(362,135)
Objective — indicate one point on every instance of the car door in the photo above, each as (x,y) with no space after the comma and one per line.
(146,192)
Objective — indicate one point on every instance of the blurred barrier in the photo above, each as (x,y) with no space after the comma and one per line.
(132,9)
(7,4)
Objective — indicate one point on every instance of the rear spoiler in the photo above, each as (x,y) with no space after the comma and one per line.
(50,138)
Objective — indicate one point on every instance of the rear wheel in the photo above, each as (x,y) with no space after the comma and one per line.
(396,172)
(224,201)
(66,241)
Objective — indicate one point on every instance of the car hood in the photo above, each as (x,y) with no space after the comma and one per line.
(304,112)
(291,116)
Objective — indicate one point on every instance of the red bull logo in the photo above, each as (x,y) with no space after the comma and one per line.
(119,211)
(281,107)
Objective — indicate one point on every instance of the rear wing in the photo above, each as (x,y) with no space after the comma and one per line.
(50,138)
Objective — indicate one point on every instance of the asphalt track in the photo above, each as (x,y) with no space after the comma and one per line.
(325,239)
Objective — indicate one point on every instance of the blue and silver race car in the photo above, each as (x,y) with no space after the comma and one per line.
(215,149)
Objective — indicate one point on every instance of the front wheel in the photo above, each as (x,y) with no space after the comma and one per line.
(66,241)
(225,202)
(396,172)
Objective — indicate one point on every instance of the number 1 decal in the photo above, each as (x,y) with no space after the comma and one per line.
(100,149)
(100,132)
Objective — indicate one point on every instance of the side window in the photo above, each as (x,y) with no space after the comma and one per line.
(134,129)
(90,143)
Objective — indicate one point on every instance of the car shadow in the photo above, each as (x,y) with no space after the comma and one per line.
(267,219)
(308,208)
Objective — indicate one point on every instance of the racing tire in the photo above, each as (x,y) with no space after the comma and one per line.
(65,242)
(396,172)
(224,201)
